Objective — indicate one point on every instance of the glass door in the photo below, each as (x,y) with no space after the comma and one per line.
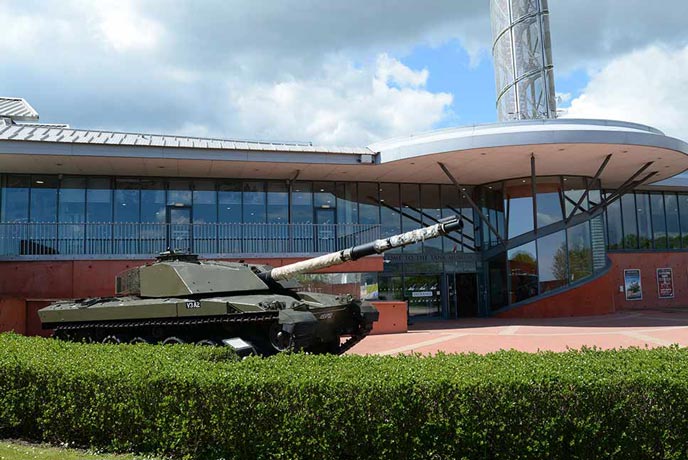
(179,228)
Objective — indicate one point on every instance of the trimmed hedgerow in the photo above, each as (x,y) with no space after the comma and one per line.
(199,402)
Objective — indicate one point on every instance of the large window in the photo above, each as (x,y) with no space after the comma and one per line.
(580,252)
(523,272)
(552,261)
(628,211)
(549,201)
(518,202)
(15,199)
(658,220)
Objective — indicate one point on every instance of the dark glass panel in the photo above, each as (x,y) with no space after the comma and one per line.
(15,199)
(574,187)
(179,193)
(523,272)
(72,199)
(411,217)
(153,201)
(497,282)
(493,209)
(278,203)
(642,203)
(549,196)
(254,209)
(204,202)
(229,202)
(614,227)
(454,204)
(127,197)
(368,199)
(658,220)
(99,200)
(628,213)
(347,203)
(673,224)
(552,261)
(683,213)
(580,252)
(432,212)
(390,207)
(43,205)
(302,203)
(324,195)
(518,201)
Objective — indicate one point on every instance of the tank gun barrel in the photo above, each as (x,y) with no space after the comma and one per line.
(443,227)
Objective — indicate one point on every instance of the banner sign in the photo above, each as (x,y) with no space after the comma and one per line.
(632,284)
(665,283)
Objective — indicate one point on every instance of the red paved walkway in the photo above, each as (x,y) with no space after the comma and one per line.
(650,328)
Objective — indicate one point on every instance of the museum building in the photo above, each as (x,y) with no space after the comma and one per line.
(554,211)
(560,216)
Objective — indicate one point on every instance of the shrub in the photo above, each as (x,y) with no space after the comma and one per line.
(199,402)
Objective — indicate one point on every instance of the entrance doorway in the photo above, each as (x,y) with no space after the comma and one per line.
(462,295)
(179,228)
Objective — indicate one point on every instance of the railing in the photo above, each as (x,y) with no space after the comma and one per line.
(108,238)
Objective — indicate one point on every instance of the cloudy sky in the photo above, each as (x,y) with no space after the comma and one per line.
(346,72)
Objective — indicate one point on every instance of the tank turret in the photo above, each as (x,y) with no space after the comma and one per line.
(179,299)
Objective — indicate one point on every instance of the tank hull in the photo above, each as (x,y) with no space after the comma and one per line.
(315,323)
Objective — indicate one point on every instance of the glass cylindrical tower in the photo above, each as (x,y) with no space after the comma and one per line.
(522,53)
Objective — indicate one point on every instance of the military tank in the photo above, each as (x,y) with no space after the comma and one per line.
(181,299)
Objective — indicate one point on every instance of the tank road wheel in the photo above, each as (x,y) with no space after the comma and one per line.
(207,343)
(139,339)
(112,339)
(279,339)
(172,340)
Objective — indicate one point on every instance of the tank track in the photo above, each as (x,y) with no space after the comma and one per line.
(261,317)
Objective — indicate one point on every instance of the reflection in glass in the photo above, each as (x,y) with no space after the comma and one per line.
(673,225)
(549,196)
(658,220)
(153,202)
(204,202)
(628,213)
(642,203)
(179,193)
(302,203)
(552,261)
(518,201)
(347,206)
(493,208)
(15,199)
(580,252)
(423,295)
(254,202)
(368,208)
(229,199)
(614,228)
(390,217)
(574,187)
(523,272)
(683,213)
(390,288)
(497,282)
(43,205)
(411,217)
(432,212)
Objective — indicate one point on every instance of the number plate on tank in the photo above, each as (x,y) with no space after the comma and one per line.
(193,304)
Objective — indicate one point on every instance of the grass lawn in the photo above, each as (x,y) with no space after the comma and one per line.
(20,450)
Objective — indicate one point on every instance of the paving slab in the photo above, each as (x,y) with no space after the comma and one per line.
(647,328)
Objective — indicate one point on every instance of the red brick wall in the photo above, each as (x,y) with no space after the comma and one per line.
(593,298)
(648,263)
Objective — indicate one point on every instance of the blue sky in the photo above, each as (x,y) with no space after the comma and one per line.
(336,73)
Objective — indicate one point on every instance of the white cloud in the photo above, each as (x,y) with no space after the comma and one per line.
(341,104)
(645,86)
(124,28)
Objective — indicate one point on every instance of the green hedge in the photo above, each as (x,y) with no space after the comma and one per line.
(199,402)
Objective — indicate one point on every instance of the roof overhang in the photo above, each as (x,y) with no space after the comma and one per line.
(474,155)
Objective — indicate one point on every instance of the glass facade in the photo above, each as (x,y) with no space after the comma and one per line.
(648,220)
(542,238)
(548,242)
